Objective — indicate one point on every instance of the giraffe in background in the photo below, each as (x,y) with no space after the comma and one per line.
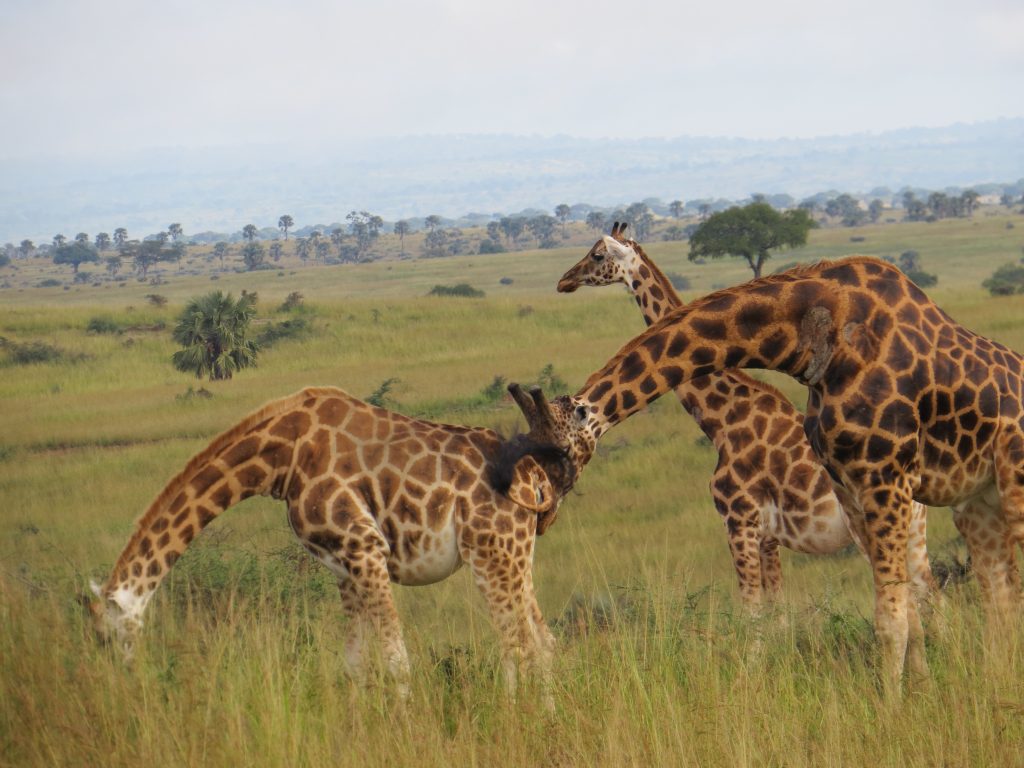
(768,487)
(905,405)
(376,497)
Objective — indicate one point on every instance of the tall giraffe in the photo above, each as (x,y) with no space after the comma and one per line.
(768,487)
(374,496)
(905,404)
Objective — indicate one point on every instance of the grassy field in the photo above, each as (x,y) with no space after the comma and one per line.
(241,658)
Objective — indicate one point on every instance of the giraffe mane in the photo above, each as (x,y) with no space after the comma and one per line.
(551,457)
(218,444)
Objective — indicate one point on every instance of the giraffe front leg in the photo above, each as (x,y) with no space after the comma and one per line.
(366,597)
(505,580)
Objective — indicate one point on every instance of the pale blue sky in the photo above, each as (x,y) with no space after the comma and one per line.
(102,76)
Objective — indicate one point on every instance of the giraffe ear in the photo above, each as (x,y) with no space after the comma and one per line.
(531,487)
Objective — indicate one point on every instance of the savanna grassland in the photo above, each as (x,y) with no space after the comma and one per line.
(240,662)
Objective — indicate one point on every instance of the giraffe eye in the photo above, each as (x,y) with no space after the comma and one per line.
(598,257)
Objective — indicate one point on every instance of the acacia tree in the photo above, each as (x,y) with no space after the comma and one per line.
(75,253)
(596,220)
(751,232)
(213,331)
(562,212)
(676,207)
(285,223)
(59,240)
(175,231)
(253,255)
(120,236)
(26,248)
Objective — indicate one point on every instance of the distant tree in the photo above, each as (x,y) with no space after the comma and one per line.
(112,264)
(220,250)
(676,207)
(145,254)
(175,231)
(213,331)
(909,261)
(810,205)
(875,208)
(102,242)
(276,249)
(562,213)
(435,243)
(249,232)
(314,243)
(969,199)
(5,260)
(120,236)
(675,232)
(59,240)
(751,232)
(596,220)
(75,254)
(82,238)
(302,247)
(253,254)
(1006,199)
(162,237)
(914,208)
(323,249)
(543,228)
(847,208)
(703,210)
(513,228)
(285,223)
(432,222)
(638,215)
(402,229)
(26,248)
(365,227)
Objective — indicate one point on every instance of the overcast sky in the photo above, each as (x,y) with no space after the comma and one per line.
(103,76)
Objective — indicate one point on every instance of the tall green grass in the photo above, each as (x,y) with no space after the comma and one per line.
(241,662)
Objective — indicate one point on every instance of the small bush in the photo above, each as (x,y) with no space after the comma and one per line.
(194,394)
(858,239)
(462,290)
(1006,281)
(292,301)
(50,283)
(379,396)
(156,299)
(103,325)
(294,328)
(506,281)
(494,391)
(923,279)
(551,382)
(32,352)
(491,246)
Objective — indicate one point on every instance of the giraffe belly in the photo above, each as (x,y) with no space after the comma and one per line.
(822,530)
(425,559)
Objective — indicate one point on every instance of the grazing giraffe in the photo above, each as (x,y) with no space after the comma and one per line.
(375,496)
(905,404)
(768,487)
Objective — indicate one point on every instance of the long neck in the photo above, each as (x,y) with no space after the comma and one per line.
(650,287)
(254,457)
(782,325)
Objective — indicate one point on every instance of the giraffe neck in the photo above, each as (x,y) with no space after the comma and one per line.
(650,287)
(253,458)
(784,323)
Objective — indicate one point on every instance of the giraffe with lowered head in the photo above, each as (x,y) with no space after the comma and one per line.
(376,497)
(768,487)
(905,404)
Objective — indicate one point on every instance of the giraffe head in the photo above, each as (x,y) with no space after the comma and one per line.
(115,621)
(613,259)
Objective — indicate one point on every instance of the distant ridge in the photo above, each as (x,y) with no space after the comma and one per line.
(223,189)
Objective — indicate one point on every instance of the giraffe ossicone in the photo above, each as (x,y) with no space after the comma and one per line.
(904,404)
(768,486)
(377,497)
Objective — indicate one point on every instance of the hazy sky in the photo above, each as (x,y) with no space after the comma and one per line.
(102,76)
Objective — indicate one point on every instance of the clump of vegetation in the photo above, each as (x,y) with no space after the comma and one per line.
(551,382)
(292,302)
(293,328)
(379,396)
(506,281)
(156,299)
(50,283)
(910,263)
(103,325)
(32,352)
(462,290)
(191,394)
(1006,281)
(494,391)
(213,331)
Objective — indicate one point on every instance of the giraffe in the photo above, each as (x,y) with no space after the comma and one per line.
(768,487)
(374,496)
(905,404)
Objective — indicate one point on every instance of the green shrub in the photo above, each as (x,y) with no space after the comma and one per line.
(923,279)
(103,325)
(294,328)
(494,391)
(50,283)
(1006,280)
(679,282)
(379,396)
(32,352)
(464,290)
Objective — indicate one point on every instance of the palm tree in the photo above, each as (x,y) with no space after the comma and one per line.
(432,222)
(214,333)
(402,229)
(102,241)
(249,232)
(285,223)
